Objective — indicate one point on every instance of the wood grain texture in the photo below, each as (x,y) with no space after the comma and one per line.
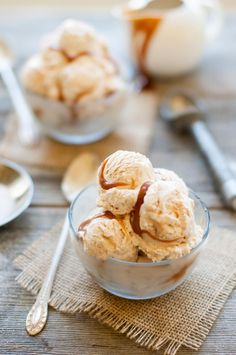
(214,82)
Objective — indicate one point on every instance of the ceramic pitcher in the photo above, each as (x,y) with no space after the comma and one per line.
(168,37)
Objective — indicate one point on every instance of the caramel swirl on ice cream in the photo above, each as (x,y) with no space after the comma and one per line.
(106,185)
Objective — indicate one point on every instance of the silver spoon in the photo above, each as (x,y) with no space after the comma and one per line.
(28,130)
(80,172)
(183,113)
(16,185)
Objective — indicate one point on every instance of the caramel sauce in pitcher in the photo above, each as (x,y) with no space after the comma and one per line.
(146,26)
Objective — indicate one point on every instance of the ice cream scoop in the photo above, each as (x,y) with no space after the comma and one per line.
(85,77)
(41,79)
(182,113)
(170,176)
(105,236)
(76,37)
(167,212)
(119,177)
(163,219)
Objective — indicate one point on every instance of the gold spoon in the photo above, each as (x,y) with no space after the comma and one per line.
(80,172)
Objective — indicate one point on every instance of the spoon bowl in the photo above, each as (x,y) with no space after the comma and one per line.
(16,187)
(81,172)
(180,110)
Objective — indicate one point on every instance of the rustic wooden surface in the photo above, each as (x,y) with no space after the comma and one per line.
(215,83)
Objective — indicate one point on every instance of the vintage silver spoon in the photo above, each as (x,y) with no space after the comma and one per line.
(183,113)
(17,186)
(28,130)
(81,171)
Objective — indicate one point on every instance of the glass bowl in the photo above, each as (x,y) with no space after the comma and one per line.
(135,280)
(78,123)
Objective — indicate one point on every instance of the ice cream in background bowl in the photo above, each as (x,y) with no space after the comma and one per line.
(74,85)
(139,231)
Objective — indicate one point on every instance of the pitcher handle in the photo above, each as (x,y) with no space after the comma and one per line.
(214,18)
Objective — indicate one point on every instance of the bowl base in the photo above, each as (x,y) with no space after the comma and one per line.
(76,139)
(137,297)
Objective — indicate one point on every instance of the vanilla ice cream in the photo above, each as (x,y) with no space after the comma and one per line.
(148,213)
(40,79)
(73,65)
(90,80)
(167,211)
(109,237)
(120,177)
(53,58)
(169,175)
(76,38)
(166,218)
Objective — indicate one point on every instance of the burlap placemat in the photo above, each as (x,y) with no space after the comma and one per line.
(182,317)
(133,133)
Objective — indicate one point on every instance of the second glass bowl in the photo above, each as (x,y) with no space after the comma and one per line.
(135,280)
(78,123)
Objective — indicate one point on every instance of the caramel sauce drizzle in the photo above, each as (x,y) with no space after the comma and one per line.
(106,185)
(85,53)
(146,25)
(69,58)
(84,224)
(135,214)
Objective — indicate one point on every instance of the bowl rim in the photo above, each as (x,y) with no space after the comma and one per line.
(155,263)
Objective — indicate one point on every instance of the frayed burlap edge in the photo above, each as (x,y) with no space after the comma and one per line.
(144,338)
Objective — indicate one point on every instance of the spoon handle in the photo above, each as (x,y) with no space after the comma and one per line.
(28,130)
(225,180)
(37,316)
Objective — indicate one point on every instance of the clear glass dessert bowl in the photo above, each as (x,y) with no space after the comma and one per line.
(135,280)
(78,123)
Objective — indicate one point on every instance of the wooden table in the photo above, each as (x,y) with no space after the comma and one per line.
(215,83)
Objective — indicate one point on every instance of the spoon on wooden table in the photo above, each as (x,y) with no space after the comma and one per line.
(16,190)
(183,113)
(28,130)
(81,171)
